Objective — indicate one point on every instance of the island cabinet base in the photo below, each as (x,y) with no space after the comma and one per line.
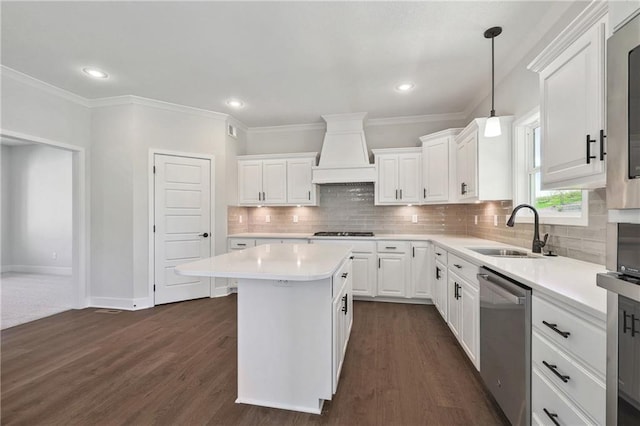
(285,334)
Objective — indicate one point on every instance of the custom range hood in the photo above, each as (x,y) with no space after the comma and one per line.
(344,157)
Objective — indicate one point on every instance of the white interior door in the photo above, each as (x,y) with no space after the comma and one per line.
(182,215)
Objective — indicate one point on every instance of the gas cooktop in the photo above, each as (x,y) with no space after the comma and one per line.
(343,234)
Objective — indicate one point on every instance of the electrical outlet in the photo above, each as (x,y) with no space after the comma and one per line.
(495,220)
(475,219)
(240,219)
(414,218)
(267,218)
(295,218)
(54,255)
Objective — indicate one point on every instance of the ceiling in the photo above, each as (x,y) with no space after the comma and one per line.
(289,62)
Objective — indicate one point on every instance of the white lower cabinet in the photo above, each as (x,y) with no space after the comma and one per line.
(453,305)
(342,318)
(421,261)
(464,314)
(568,357)
(394,268)
(440,288)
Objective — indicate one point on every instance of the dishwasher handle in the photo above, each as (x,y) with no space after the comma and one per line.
(516,299)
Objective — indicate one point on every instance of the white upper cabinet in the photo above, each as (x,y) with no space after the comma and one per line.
(438,166)
(300,190)
(572,103)
(399,176)
(483,165)
(276,180)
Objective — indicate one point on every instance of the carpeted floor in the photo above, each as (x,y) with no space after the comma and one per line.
(28,297)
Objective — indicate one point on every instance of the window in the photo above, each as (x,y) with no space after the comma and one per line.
(559,207)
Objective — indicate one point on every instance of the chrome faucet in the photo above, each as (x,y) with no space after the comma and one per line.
(537,243)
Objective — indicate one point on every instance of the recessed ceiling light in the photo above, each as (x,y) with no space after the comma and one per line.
(235,103)
(94,72)
(405,87)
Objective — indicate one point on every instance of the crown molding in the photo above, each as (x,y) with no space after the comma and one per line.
(153,103)
(595,11)
(287,128)
(415,119)
(45,87)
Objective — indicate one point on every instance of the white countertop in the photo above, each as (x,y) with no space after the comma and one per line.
(567,280)
(291,262)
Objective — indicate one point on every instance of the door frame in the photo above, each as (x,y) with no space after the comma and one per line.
(80,212)
(152,201)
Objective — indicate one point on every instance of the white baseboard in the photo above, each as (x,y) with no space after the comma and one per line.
(121,303)
(219,291)
(394,300)
(33,269)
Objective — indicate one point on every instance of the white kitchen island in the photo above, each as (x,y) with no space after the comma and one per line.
(294,320)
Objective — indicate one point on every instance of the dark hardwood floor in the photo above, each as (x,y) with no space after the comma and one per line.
(176,365)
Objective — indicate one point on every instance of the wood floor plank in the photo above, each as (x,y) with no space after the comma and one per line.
(177,365)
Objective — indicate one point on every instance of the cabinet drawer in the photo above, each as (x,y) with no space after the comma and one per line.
(585,389)
(463,268)
(393,246)
(440,254)
(545,397)
(241,243)
(571,333)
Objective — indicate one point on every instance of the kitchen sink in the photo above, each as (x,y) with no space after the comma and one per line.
(503,252)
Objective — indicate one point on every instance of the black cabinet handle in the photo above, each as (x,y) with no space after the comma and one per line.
(345,274)
(396,194)
(456,292)
(378,263)
(425,193)
(552,416)
(554,369)
(463,188)
(589,156)
(391,248)
(309,195)
(437,273)
(438,254)
(264,196)
(351,257)
(602,136)
(259,196)
(241,244)
(413,249)
(633,325)
(345,307)
(401,194)
(457,266)
(625,327)
(554,327)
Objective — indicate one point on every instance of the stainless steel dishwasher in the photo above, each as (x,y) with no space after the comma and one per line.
(505,343)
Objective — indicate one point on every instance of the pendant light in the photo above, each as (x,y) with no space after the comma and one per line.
(492,127)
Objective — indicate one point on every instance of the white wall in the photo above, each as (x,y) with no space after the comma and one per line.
(7,234)
(39,208)
(295,139)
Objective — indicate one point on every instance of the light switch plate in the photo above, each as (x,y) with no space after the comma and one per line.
(475,219)
(295,218)
(240,219)
(495,220)
(414,218)
(267,218)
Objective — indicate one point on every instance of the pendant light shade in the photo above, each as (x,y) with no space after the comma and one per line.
(492,127)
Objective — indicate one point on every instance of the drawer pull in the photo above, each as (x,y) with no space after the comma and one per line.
(351,257)
(345,307)
(439,254)
(554,368)
(457,266)
(554,327)
(552,416)
(437,273)
(345,274)
(391,248)
(241,244)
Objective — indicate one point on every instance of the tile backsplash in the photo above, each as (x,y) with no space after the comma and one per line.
(349,207)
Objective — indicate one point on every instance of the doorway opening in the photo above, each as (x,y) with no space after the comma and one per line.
(42,228)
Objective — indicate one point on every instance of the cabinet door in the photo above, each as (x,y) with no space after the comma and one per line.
(441,289)
(300,190)
(409,177)
(250,182)
(392,274)
(338,338)
(572,107)
(274,181)
(435,170)
(364,274)
(470,321)
(453,304)
(420,271)
(467,166)
(387,184)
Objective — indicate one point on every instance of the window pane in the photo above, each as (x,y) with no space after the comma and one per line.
(556,203)
(536,147)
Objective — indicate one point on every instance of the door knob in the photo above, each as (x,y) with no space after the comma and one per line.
(204,235)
